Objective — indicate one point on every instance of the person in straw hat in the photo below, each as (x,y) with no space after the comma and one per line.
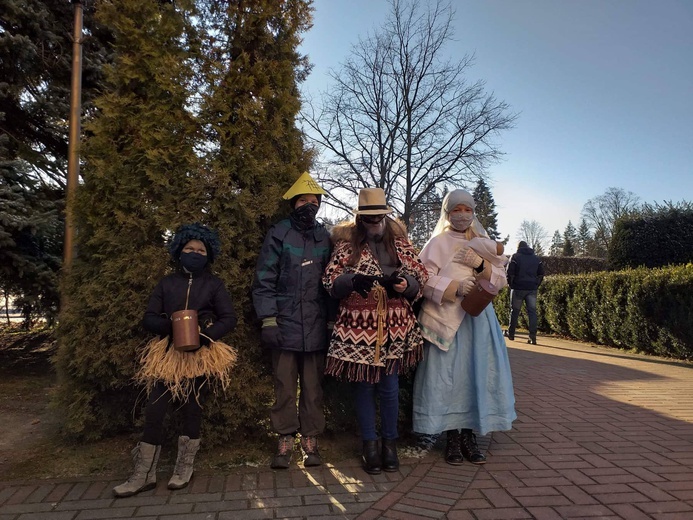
(376,274)
(182,376)
(464,382)
(289,299)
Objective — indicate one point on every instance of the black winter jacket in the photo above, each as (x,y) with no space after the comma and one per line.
(288,285)
(525,271)
(208,296)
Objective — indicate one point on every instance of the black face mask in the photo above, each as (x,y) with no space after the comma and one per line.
(305,215)
(193,262)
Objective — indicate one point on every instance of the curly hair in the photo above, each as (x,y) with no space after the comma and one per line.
(196,231)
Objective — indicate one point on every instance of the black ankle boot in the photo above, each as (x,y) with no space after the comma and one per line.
(372,461)
(390,460)
(453,453)
(469,448)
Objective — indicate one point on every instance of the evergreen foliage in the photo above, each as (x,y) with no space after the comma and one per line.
(486,209)
(196,123)
(137,185)
(30,242)
(556,248)
(573,264)
(584,239)
(258,153)
(646,310)
(658,236)
(569,240)
(35,67)
(35,76)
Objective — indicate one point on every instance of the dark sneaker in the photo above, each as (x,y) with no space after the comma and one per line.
(511,337)
(285,448)
(469,448)
(532,341)
(310,451)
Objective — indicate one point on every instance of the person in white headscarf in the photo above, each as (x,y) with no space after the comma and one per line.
(464,383)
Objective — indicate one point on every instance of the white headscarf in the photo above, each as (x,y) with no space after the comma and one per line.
(451,200)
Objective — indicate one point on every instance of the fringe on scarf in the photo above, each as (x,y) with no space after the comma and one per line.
(361,372)
(178,370)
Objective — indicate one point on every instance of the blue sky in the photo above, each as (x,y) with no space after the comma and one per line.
(603,89)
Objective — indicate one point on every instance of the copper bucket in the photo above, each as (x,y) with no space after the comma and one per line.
(479,297)
(186,333)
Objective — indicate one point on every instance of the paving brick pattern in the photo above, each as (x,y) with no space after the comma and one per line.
(600,434)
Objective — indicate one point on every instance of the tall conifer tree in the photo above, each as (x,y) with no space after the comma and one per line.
(556,248)
(253,69)
(584,237)
(570,239)
(140,179)
(197,124)
(486,209)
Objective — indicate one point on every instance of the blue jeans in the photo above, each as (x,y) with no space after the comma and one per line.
(530,299)
(388,392)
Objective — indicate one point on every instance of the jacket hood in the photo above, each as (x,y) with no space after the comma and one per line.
(525,251)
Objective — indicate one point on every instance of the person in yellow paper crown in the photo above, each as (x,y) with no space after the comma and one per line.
(289,298)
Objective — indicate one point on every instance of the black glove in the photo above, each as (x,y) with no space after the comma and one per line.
(204,340)
(166,328)
(388,283)
(363,284)
(271,337)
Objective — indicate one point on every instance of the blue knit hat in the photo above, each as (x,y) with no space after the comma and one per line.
(196,231)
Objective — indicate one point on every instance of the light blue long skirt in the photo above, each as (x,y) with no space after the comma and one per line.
(470,385)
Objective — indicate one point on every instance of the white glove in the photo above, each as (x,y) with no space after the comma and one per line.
(467,256)
(464,286)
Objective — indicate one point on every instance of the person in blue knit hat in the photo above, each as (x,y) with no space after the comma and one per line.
(184,377)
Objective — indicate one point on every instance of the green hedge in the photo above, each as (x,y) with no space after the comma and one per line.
(647,310)
(664,238)
(573,264)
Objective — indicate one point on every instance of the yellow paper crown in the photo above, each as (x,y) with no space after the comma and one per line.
(304,184)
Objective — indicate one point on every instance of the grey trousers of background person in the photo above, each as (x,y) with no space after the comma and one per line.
(291,369)
(517,297)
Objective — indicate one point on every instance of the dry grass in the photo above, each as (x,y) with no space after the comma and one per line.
(32,448)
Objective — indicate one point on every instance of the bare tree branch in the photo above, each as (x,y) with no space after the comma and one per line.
(401,115)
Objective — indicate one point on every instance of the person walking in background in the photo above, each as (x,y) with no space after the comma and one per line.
(464,382)
(184,377)
(376,274)
(525,274)
(293,305)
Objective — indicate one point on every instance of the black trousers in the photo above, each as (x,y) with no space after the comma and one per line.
(157,406)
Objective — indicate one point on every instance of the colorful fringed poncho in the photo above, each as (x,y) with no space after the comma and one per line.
(372,334)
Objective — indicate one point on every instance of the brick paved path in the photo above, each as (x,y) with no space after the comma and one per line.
(600,434)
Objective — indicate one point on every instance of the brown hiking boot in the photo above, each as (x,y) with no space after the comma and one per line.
(285,448)
(309,445)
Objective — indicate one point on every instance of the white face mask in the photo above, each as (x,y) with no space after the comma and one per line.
(374,231)
(461,221)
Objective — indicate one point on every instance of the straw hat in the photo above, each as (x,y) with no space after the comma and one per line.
(304,184)
(372,202)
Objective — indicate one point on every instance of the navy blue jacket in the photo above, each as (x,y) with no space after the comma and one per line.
(525,271)
(288,285)
(208,296)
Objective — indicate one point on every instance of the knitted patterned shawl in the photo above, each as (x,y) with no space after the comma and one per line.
(355,352)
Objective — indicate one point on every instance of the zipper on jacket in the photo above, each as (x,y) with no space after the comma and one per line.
(187,296)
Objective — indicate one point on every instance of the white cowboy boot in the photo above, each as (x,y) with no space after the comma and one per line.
(143,477)
(182,473)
